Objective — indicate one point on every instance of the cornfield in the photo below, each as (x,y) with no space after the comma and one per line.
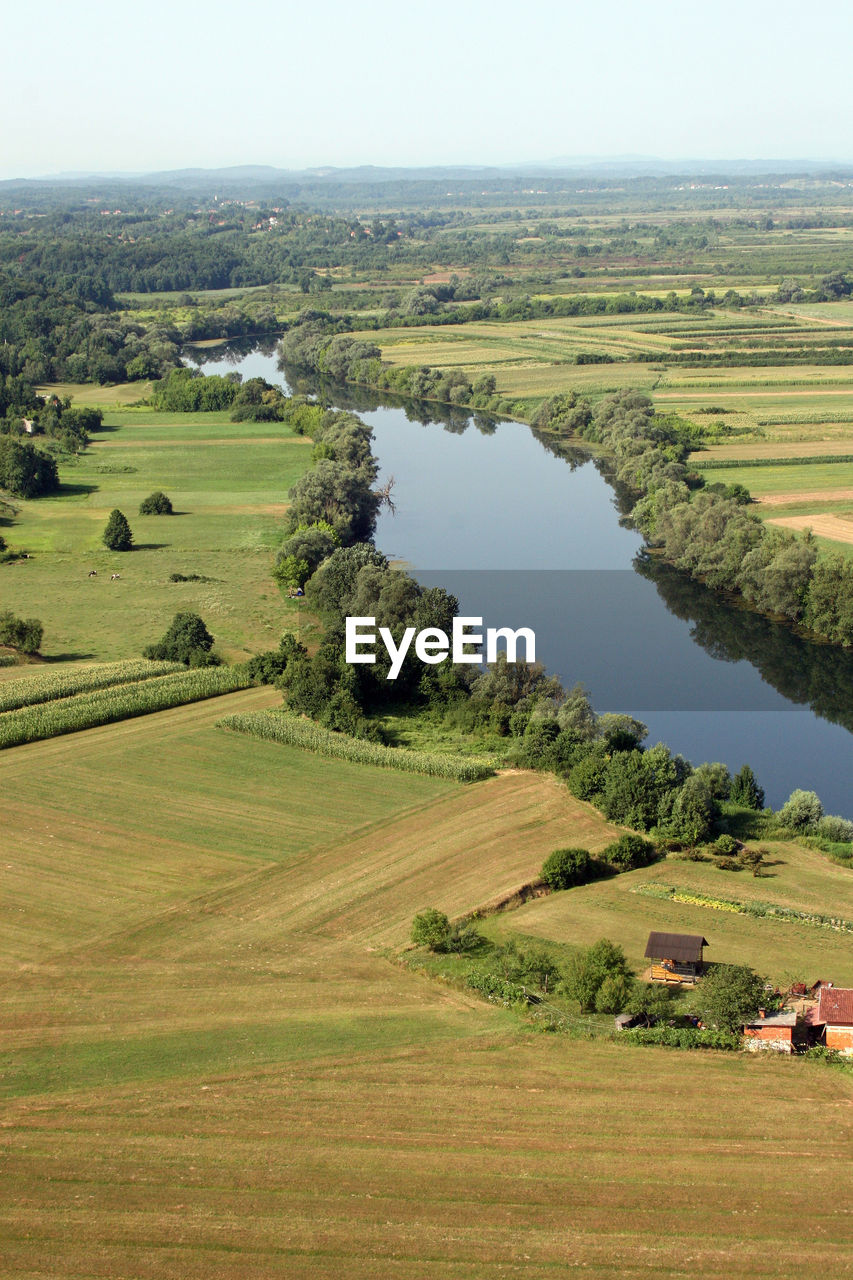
(118,702)
(63,684)
(294,731)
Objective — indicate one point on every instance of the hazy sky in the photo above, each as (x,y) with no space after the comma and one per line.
(170,84)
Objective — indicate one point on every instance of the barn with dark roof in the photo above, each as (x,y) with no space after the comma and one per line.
(676,957)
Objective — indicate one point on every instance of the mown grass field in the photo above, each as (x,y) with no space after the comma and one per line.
(211,1068)
(799,878)
(228,483)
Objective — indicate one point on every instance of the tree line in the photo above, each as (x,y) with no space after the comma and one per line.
(705,529)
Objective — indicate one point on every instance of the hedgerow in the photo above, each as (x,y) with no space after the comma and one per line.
(294,731)
(721,464)
(118,702)
(63,684)
(682,1037)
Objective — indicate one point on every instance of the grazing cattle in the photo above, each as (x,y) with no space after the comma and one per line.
(115,575)
(93,573)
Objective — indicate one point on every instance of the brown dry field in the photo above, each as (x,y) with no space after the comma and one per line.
(822,525)
(770,449)
(791,496)
(213,1070)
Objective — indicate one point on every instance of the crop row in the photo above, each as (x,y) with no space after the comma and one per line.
(756,909)
(719,464)
(118,702)
(294,731)
(64,684)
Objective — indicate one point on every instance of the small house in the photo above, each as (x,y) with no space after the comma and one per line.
(774,1031)
(676,957)
(835,1011)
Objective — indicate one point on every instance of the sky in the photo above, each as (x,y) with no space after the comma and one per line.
(98,87)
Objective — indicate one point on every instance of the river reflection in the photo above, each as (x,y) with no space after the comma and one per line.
(527,537)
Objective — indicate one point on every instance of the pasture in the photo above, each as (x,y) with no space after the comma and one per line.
(799,878)
(228,483)
(211,1068)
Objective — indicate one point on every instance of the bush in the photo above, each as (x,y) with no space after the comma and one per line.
(117,535)
(802,811)
(838,830)
(729,864)
(156,504)
(23,634)
(430,928)
(187,640)
(566,867)
(629,852)
(588,968)
(726,845)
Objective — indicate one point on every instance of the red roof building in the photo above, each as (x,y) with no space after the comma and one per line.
(835,1011)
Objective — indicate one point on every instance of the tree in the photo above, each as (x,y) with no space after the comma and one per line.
(731,994)
(588,968)
(186,640)
(629,852)
(430,928)
(802,811)
(650,1001)
(566,867)
(156,504)
(23,634)
(745,790)
(117,535)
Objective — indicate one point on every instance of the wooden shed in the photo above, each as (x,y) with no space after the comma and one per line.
(835,1011)
(676,957)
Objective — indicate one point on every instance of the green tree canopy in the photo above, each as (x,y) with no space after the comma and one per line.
(186,640)
(731,994)
(117,535)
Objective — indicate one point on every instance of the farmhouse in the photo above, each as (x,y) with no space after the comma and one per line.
(675,957)
(835,1011)
(771,1031)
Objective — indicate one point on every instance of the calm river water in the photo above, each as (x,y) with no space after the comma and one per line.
(526,538)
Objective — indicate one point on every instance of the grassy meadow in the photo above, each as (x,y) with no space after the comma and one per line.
(212,1067)
(228,483)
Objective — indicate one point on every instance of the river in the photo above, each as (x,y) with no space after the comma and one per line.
(524,537)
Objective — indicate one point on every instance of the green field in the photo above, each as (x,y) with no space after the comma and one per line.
(212,1068)
(228,483)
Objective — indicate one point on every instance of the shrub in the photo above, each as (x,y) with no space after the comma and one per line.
(24,634)
(726,845)
(629,852)
(430,928)
(117,535)
(187,640)
(463,937)
(156,504)
(802,811)
(588,968)
(838,830)
(728,864)
(614,993)
(566,867)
